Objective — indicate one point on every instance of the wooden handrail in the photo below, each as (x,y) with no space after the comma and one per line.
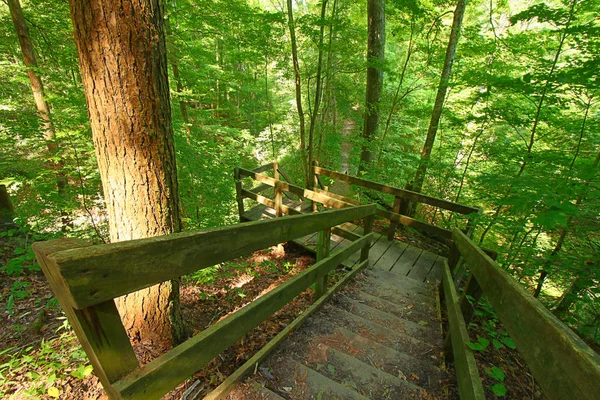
(86,279)
(95,274)
(406,194)
(264,168)
(563,364)
(167,371)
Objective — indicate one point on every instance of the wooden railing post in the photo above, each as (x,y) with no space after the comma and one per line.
(315,183)
(278,199)
(323,248)
(473,290)
(99,328)
(367,228)
(275,170)
(394,224)
(238,193)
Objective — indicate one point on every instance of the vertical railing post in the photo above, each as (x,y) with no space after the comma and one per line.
(238,193)
(394,224)
(315,183)
(367,228)
(473,290)
(99,328)
(323,247)
(278,199)
(275,170)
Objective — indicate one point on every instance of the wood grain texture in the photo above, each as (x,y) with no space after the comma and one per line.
(98,328)
(564,366)
(100,273)
(418,197)
(224,388)
(467,374)
(165,372)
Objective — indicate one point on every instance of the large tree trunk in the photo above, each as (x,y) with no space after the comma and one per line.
(375,57)
(298,82)
(123,64)
(417,184)
(37,87)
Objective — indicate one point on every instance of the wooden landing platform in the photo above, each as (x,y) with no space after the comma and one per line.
(401,258)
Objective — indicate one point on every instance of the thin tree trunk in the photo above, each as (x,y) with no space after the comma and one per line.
(375,58)
(329,106)
(417,184)
(123,63)
(178,84)
(536,122)
(318,90)
(563,231)
(37,87)
(396,98)
(298,81)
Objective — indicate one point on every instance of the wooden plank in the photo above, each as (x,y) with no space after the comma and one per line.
(447,205)
(413,223)
(367,228)
(238,197)
(263,168)
(469,382)
(406,261)
(297,190)
(394,224)
(167,371)
(389,258)
(100,273)
(564,366)
(323,248)
(337,196)
(422,266)
(98,328)
(435,275)
(225,387)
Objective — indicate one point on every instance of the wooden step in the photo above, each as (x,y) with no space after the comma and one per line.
(403,307)
(423,373)
(363,378)
(418,331)
(381,334)
(297,381)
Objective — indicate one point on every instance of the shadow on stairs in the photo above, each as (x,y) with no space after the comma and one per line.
(378,338)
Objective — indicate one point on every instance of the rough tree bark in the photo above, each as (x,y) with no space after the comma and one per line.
(375,57)
(37,87)
(123,63)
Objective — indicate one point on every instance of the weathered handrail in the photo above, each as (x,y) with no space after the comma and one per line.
(400,195)
(564,365)
(86,279)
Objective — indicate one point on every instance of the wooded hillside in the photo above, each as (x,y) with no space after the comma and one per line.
(499,110)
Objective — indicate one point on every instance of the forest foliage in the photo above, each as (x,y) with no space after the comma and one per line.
(519,134)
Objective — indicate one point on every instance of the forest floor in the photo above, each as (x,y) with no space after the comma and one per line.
(40,356)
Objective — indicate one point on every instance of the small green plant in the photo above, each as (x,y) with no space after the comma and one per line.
(270,266)
(497,374)
(18,291)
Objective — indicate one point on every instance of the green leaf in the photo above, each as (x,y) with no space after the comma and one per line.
(499,389)
(496,373)
(509,343)
(331,369)
(497,344)
(480,345)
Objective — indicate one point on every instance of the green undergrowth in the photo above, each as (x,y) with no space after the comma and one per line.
(42,370)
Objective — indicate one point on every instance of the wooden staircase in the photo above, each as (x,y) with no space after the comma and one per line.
(379,338)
